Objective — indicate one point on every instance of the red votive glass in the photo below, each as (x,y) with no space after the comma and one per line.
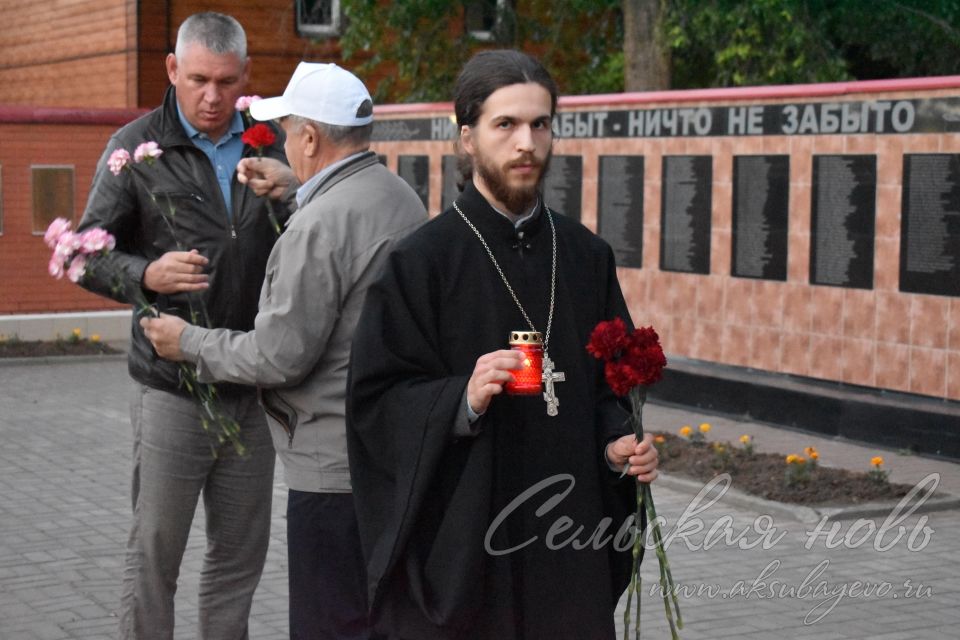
(528,380)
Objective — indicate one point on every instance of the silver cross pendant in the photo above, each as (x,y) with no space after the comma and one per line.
(549,378)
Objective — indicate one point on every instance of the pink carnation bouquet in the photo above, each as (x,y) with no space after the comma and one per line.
(74,255)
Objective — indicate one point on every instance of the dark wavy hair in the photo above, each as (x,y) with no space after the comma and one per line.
(491,70)
(486,72)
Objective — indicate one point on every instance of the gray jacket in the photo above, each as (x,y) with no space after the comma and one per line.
(317,277)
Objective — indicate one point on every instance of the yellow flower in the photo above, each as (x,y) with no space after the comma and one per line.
(95,337)
(745,439)
(705,427)
(659,439)
(719,448)
(791,458)
(685,431)
(77,332)
(876,461)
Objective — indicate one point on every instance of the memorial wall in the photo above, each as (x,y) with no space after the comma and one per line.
(811,230)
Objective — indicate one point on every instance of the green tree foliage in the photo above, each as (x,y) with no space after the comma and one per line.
(893,38)
(721,43)
(416,47)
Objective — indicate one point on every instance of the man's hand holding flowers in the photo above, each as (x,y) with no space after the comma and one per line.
(642,456)
(164,332)
(265,176)
(177,272)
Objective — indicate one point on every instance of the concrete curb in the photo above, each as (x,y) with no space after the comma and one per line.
(103,357)
(780,510)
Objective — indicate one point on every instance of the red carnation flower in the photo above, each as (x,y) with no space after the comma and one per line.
(632,359)
(621,377)
(259,136)
(645,355)
(608,339)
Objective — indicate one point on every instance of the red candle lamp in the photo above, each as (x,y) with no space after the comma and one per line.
(528,380)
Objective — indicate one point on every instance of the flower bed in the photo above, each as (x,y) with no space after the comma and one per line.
(766,474)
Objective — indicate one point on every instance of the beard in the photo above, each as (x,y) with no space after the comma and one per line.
(517,200)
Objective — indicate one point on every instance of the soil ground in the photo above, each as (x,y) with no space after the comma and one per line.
(765,474)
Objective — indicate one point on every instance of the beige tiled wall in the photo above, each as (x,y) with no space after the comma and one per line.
(878,338)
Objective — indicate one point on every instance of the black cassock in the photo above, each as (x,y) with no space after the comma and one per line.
(426,499)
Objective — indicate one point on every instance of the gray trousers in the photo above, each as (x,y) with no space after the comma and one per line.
(173,465)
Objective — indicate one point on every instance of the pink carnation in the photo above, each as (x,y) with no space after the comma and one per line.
(118,160)
(96,240)
(56,229)
(147,151)
(67,244)
(77,268)
(55,268)
(244,102)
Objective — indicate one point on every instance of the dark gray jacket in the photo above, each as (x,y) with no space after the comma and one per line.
(136,210)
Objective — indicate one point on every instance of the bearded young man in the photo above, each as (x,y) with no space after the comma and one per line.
(482,514)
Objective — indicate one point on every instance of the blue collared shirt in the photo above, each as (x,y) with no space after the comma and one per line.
(224,154)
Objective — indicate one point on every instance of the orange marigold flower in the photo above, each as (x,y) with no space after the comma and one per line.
(659,439)
(685,431)
(876,461)
(705,427)
(745,439)
(791,458)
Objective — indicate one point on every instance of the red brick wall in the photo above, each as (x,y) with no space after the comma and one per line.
(73,53)
(110,53)
(25,286)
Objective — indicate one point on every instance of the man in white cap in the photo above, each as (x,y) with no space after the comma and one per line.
(351,211)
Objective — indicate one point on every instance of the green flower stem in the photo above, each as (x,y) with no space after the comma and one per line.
(273,217)
(671,606)
(667,586)
(228,429)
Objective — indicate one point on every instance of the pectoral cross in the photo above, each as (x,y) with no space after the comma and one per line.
(549,377)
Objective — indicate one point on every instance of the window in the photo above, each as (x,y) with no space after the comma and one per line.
(318,18)
(52,195)
(483,17)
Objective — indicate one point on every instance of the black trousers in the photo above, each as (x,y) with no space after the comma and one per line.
(327,576)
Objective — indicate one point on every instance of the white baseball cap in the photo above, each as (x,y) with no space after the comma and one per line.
(321,92)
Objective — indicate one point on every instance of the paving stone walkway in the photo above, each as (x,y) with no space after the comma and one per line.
(64,509)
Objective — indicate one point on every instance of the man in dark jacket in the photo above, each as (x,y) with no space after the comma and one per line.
(194,242)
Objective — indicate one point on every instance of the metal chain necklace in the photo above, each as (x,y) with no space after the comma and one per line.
(549,375)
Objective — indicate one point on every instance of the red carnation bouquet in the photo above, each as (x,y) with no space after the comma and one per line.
(632,362)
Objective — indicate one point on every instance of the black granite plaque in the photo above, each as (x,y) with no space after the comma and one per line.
(450,173)
(685,213)
(930,224)
(843,211)
(416,171)
(761,201)
(563,186)
(620,207)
